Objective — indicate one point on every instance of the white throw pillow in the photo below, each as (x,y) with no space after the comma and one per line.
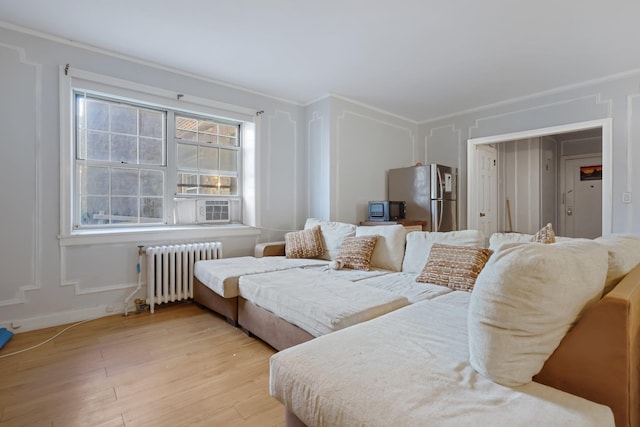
(389,250)
(333,234)
(498,239)
(525,300)
(624,255)
(419,245)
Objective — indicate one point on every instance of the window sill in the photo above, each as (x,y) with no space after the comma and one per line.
(161,235)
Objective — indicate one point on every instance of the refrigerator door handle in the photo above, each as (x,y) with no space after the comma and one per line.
(440,184)
(440,204)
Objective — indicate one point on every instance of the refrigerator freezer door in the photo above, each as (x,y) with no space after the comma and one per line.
(444,182)
(444,215)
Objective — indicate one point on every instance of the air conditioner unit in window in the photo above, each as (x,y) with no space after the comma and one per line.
(208,211)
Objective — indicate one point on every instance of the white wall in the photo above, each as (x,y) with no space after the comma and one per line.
(43,283)
(352,147)
(617,98)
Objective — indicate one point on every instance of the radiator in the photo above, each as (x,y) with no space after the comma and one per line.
(170,270)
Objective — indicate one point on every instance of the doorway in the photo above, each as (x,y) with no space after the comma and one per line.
(604,127)
(581,184)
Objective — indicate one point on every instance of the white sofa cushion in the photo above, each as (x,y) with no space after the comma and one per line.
(624,255)
(525,300)
(419,245)
(498,239)
(389,251)
(333,234)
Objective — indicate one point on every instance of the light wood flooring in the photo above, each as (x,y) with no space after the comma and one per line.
(181,366)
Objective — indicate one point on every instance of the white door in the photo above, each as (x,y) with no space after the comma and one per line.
(487,189)
(582,208)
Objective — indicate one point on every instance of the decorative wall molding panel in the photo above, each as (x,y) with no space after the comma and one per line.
(281,170)
(445,137)
(318,166)
(22,129)
(633,174)
(580,109)
(365,147)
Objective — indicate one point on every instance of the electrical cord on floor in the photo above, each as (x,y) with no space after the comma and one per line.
(46,341)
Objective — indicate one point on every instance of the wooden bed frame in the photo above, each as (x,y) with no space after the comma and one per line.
(228,307)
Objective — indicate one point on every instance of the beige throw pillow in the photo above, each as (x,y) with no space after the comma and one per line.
(419,245)
(304,243)
(356,252)
(525,300)
(454,266)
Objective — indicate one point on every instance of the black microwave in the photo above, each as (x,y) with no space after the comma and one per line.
(386,210)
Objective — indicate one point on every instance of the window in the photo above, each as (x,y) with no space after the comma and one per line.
(207,156)
(142,164)
(120,162)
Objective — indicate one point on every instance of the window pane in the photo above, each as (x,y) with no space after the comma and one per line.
(124,209)
(187,183)
(97,115)
(187,156)
(207,138)
(228,160)
(151,209)
(151,123)
(187,135)
(207,127)
(97,146)
(124,148)
(228,186)
(208,158)
(228,131)
(209,184)
(151,151)
(124,119)
(81,138)
(94,210)
(81,112)
(94,180)
(124,182)
(151,183)
(224,140)
(186,123)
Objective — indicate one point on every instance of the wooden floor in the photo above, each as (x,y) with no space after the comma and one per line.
(181,366)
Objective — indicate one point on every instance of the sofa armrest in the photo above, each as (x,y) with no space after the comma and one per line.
(269,249)
(598,358)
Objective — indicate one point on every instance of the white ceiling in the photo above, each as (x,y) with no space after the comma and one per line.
(420,59)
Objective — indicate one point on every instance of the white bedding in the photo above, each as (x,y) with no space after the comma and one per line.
(317,302)
(410,368)
(221,275)
(349,273)
(405,284)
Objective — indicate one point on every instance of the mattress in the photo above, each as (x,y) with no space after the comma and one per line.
(405,284)
(221,275)
(410,368)
(350,273)
(317,302)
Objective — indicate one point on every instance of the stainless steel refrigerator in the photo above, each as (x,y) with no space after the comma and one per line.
(430,192)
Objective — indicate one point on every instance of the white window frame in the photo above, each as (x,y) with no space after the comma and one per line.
(73,79)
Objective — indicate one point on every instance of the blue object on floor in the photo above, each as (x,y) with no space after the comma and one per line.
(5,336)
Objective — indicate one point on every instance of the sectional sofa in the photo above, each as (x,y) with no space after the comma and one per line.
(419,353)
